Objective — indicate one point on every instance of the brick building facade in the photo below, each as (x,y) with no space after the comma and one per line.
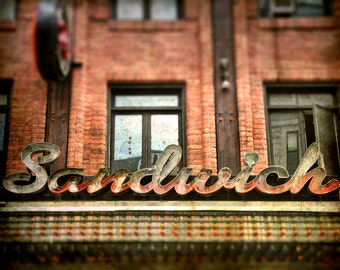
(298,50)
(114,52)
(270,58)
(294,50)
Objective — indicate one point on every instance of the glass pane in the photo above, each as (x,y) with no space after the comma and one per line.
(285,128)
(3,99)
(146,101)
(282,99)
(2,130)
(309,8)
(325,99)
(292,141)
(128,142)
(130,9)
(164,10)
(291,99)
(282,3)
(7,9)
(292,151)
(164,131)
(263,7)
(325,126)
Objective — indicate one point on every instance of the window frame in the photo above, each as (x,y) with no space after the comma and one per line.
(264,10)
(5,89)
(146,11)
(146,89)
(300,89)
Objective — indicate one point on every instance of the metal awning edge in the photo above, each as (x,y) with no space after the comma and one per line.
(118,206)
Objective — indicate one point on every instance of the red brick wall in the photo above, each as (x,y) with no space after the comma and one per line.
(303,50)
(114,52)
(280,50)
(28,108)
(141,52)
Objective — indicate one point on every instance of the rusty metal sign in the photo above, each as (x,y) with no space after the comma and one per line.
(166,163)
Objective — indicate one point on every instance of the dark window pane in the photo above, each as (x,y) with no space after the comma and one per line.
(282,3)
(292,151)
(7,10)
(263,8)
(309,126)
(2,130)
(5,90)
(3,100)
(310,8)
(294,8)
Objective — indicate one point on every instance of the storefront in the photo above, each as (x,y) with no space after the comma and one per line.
(169,134)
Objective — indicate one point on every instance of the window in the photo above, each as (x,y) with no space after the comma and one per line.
(299,116)
(138,10)
(5,88)
(295,8)
(144,120)
(8,9)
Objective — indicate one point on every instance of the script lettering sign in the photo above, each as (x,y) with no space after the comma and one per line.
(166,163)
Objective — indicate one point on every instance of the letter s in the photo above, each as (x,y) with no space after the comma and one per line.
(10,180)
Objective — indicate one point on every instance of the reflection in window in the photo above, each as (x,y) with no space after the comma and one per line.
(127,141)
(283,126)
(143,125)
(301,118)
(295,8)
(164,10)
(129,10)
(146,101)
(164,131)
(160,10)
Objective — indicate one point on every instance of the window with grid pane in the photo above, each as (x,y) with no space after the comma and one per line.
(299,116)
(144,120)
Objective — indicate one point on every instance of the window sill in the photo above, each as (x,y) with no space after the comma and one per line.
(8,24)
(151,25)
(297,23)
